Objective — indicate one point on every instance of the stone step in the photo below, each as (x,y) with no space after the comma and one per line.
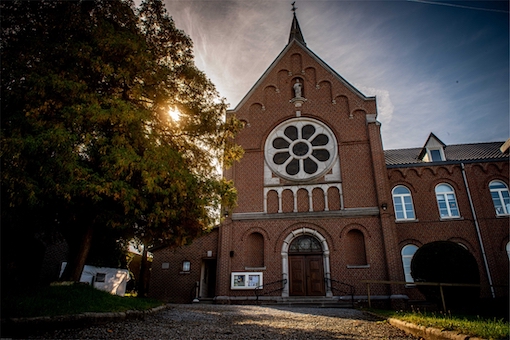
(329,302)
(298,301)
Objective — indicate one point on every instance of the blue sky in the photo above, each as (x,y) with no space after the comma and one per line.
(433,66)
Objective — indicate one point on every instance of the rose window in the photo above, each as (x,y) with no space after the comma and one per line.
(301,149)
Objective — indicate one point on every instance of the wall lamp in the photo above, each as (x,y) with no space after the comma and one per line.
(384,206)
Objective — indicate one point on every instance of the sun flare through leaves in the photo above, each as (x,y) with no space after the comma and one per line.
(175,114)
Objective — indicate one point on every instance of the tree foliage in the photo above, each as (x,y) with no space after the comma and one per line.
(86,139)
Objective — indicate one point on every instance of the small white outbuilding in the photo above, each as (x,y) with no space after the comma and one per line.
(111,280)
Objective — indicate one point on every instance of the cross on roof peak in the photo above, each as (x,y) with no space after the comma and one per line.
(295,30)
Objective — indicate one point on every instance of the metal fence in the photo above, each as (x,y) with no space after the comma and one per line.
(433,284)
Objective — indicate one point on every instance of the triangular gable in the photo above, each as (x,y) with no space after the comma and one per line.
(315,57)
(432,143)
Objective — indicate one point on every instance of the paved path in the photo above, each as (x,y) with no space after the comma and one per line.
(240,322)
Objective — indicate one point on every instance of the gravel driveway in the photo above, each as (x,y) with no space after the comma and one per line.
(240,322)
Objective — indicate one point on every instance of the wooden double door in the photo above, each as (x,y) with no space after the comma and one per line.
(306,274)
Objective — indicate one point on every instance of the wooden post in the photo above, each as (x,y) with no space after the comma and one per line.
(442,297)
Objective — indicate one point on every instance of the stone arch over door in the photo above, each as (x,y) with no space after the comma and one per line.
(285,256)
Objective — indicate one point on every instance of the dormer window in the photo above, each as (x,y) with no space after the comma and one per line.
(433,150)
(435,155)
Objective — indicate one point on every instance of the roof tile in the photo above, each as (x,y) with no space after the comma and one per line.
(458,152)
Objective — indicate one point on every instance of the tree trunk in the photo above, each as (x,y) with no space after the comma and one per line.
(78,256)
(144,268)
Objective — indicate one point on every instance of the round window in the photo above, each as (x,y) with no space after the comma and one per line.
(300,149)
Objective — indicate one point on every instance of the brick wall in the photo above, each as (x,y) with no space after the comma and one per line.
(257,243)
(328,100)
(168,281)
(429,227)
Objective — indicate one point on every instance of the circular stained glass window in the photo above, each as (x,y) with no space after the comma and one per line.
(300,149)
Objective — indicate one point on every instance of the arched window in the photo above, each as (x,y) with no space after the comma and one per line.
(403,203)
(446,201)
(254,251)
(407,256)
(500,197)
(305,244)
(355,246)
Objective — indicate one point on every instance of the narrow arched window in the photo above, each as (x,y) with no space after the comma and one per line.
(403,203)
(500,197)
(446,201)
(355,246)
(254,250)
(407,256)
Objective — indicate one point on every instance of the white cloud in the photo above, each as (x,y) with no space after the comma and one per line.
(384,105)
(410,66)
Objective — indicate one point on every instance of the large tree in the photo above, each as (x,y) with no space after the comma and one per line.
(86,139)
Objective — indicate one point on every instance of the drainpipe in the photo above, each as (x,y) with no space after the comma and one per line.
(477,227)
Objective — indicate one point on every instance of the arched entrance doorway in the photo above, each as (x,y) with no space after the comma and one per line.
(305,260)
(306,268)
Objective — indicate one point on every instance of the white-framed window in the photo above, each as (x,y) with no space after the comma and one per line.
(446,201)
(407,256)
(301,149)
(186,266)
(403,203)
(500,197)
(436,155)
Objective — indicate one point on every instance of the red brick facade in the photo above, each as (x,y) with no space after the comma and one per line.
(348,208)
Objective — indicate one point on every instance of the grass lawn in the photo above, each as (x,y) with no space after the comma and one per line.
(65,300)
(487,328)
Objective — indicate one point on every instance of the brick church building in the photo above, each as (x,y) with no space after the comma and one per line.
(321,205)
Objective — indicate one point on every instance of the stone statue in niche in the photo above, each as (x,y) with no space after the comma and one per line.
(298,89)
(298,99)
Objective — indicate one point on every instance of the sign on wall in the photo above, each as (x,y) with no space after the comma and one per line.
(246,280)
